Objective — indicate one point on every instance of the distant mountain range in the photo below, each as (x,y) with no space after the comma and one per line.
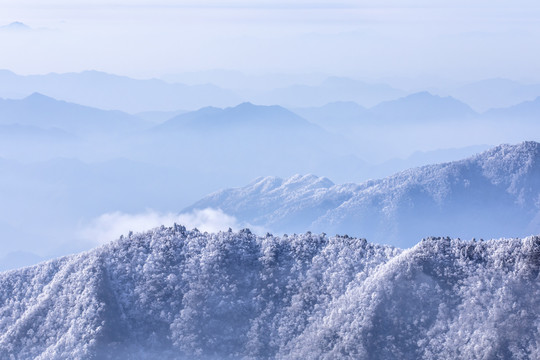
(495,93)
(44,112)
(315,90)
(113,92)
(492,194)
(177,294)
(330,90)
(260,139)
(422,106)
(243,116)
(420,117)
(411,109)
(68,164)
(525,110)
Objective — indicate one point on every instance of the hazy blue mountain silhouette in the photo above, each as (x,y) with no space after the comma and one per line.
(245,115)
(495,93)
(331,90)
(421,106)
(524,110)
(267,139)
(113,92)
(488,195)
(45,112)
(16,26)
(412,109)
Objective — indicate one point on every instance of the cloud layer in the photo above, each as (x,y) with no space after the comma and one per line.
(366,38)
(110,226)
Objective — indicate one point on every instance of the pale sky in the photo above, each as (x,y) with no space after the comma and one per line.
(455,39)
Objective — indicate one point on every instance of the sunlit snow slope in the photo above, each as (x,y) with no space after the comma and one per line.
(492,194)
(176,294)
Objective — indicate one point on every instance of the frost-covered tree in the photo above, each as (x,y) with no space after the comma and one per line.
(175,294)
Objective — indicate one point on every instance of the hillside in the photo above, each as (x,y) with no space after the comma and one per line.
(492,194)
(176,294)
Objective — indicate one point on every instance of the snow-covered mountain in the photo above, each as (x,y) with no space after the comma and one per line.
(176,294)
(495,193)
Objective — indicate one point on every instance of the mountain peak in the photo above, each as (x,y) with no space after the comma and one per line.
(253,108)
(245,104)
(422,94)
(16,26)
(422,106)
(244,114)
(37,96)
(308,180)
(525,147)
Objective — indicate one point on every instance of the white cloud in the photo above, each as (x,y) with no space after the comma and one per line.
(110,226)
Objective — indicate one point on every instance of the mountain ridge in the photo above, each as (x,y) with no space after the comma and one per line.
(171,293)
(503,182)
(241,115)
(46,112)
(422,106)
(114,92)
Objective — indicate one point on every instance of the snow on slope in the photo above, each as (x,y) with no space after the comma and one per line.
(176,294)
(279,203)
(495,193)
